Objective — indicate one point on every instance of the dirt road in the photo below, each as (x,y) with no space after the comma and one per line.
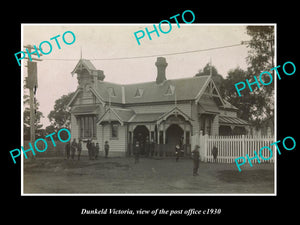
(121,175)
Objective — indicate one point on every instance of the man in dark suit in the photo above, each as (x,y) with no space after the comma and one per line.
(196,160)
(89,148)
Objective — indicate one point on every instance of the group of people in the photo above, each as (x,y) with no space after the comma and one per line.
(92,147)
(93,152)
(72,148)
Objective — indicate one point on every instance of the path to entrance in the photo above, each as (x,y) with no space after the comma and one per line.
(121,175)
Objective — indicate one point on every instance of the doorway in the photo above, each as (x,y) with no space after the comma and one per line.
(174,136)
(141,134)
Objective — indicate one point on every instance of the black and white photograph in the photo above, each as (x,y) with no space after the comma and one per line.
(175,113)
(151,112)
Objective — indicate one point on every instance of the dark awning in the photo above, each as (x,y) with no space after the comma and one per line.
(208,108)
(84,110)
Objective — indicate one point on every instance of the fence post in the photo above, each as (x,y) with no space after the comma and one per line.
(205,147)
(243,145)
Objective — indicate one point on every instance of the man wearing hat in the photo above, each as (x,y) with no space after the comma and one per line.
(196,160)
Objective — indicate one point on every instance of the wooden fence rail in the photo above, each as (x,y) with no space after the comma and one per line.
(232,147)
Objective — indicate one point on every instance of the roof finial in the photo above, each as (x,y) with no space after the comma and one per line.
(80,52)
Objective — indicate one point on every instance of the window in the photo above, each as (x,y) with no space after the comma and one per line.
(114,130)
(205,124)
(87,126)
(170,90)
(139,92)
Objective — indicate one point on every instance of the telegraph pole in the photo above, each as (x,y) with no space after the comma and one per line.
(32,84)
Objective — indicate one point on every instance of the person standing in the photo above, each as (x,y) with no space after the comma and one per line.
(79,148)
(97,148)
(215,153)
(67,150)
(106,148)
(177,152)
(73,148)
(147,146)
(93,150)
(196,160)
(137,149)
(152,147)
(89,148)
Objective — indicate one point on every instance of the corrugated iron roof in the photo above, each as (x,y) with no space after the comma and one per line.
(124,114)
(145,117)
(232,120)
(186,89)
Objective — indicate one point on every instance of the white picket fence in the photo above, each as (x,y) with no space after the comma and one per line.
(232,147)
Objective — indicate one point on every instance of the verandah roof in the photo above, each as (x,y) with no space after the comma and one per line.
(226,120)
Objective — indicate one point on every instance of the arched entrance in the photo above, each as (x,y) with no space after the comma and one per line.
(141,134)
(174,136)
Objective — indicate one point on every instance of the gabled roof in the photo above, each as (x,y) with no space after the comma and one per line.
(80,90)
(191,88)
(175,111)
(84,63)
(185,88)
(228,105)
(116,114)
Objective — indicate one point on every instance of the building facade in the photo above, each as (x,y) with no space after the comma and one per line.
(163,112)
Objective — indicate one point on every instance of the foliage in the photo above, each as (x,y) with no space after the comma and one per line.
(217,78)
(258,105)
(60,116)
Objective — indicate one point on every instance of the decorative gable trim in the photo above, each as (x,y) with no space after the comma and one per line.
(175,111)
(80,90)
(97,95)
(83,64)
(212,91)
(74,97)
(108,114)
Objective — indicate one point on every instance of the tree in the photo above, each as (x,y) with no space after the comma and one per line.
(261,58)
(217,78)
(261,48)
(250,104)
(257,105)
(60,116)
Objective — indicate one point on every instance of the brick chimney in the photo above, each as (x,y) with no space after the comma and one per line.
(161,65)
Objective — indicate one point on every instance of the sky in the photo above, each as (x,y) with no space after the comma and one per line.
(108,41)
